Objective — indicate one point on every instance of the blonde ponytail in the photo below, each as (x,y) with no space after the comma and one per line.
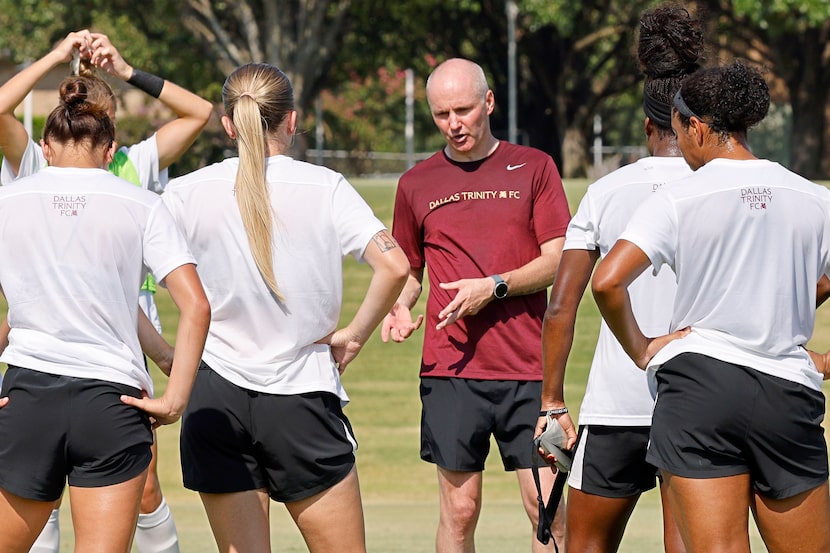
(257,98)
(252,194)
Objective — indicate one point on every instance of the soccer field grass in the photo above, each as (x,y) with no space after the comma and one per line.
(399,490)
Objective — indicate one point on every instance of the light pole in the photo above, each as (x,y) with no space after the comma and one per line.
(409,130)
(512,11)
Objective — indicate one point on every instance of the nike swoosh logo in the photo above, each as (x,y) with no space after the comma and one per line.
(514,167)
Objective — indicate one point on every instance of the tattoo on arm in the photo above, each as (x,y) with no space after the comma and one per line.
(384,241)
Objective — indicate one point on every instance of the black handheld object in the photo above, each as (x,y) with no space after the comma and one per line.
(552,440)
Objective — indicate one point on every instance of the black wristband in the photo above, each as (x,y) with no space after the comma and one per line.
(550,412)
(147,82)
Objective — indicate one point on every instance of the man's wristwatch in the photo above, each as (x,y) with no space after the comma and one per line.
(500,289)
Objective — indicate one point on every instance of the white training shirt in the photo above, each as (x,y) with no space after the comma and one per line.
(748,241)
(254,341)
(617,392)
(73,246)
(144,157)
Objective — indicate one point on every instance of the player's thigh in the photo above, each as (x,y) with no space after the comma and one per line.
(712,513)
(313,517)
(21,520)
(798,523)
(239,520)
(117,505)
(596,523)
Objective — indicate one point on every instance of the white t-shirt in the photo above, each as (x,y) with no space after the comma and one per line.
(254,341)
(748,241)
(617,392)
(73,246)
(144,157)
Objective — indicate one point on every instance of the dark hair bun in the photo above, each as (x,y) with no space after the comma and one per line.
(746,94)
(671,42)
(734,97)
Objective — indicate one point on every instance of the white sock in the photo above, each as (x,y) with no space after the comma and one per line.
(156,532)
(49,540)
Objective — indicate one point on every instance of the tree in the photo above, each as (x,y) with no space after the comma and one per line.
(154,43)
(573,58)
(577,57)
(298,36)
(146,39)
(576,60)
(792,38)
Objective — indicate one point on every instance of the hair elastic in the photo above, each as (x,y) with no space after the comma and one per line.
(147,82)
(684,109)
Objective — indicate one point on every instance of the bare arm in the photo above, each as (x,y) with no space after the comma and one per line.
(194,317)
(13,136)
(389,266)
(154,345)
(558,332)
(474,293)
(624,263)
(4,341)
(822,290)
(398,324)
(192,111)
(4,335)
(822,360)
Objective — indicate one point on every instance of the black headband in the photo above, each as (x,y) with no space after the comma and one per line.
(681,106)
(657,110)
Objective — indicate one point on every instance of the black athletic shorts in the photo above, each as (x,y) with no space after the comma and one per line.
(458,415)
(610,461)
(714,419)
(234,440)
(59,428)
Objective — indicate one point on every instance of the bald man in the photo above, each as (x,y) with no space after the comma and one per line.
(487,219)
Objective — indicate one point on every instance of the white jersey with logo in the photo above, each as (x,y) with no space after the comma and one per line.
(73,247)
(255,341)
(144,157)
(617,392)
(748,240)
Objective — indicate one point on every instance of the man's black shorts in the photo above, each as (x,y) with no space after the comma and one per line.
(458,416)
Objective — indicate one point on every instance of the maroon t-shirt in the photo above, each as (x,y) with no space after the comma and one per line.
(475,219)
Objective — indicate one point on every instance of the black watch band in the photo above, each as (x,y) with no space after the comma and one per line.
(500,289)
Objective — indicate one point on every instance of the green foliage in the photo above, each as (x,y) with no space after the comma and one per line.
(37,127)
(622,119)
(575,59)
(541,13)
(367,113)
(144,37)
(765,139)
(784,14)
(30,27)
